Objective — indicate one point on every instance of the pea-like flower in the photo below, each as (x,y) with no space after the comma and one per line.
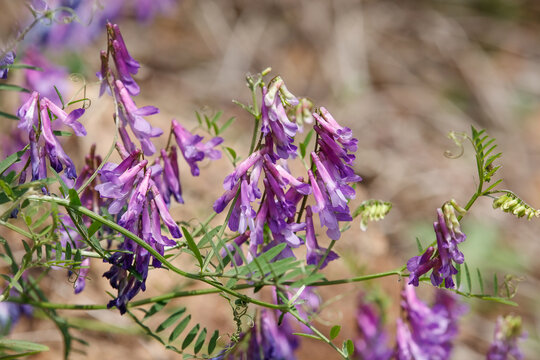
(192,147)
(431,330)
(440,260)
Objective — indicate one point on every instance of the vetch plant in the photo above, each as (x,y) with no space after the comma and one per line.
(279,232)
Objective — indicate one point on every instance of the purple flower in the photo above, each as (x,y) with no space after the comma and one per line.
(192,147)
(314,252)
(7,60)
(117,181)
(10,313)
(242,214)
(69,120)
(91,19)
(508,332)
(372,342)
(230,248)
(136,203)
(134,117)
(272,341)
(232,179)
(323,208)
(277,127)
(448,236)
(80,283)
(28,114)
(171,175)
(57,157)
(431,330)
(47,78)
(164,213)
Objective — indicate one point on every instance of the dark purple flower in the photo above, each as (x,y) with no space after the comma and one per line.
(55,152)
(372,342)
(192,147)
(448,235)
(171,175)
(7,60)
(508,331)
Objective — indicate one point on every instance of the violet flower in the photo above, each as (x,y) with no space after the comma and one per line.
(7,60)
(92,18)
(117,181)
(145,207)
(276,126)
(11,312)
(171,175)
(448,236)
(192,147)
(133,116)
(431,330)
(314,252)
(372,342)
(28,113)
(57,157)
(47,78)
(508,331)
(272,342)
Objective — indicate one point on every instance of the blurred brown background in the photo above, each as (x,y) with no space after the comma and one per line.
(401,74)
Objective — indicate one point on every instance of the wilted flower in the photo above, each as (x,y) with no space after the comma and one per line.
(508,332)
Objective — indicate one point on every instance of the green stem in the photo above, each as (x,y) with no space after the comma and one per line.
(151,250)
(186,293)
(318,333)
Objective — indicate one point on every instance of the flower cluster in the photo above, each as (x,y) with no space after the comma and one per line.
(138,193)
(128,183)
(430,331)
(78,23)
(282,192)
(36,118)
(449,235)
(508,332)
(372,341)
